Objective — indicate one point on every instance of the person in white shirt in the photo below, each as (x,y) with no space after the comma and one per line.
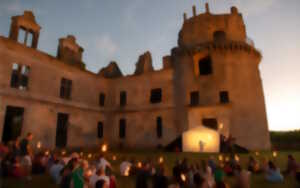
(124,166)
(99,175)
(103,163)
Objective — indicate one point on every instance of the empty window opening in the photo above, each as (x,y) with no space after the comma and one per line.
(210,123)
(194,97)
(159,127)
(62,130)
(122,128)
(205,66)
(123,98)
(100,130)
(25,37)
(101,99)
(22,36)
(65,88)
(19,76)
(13,123)
(224,97)
(156,95)
(219,36)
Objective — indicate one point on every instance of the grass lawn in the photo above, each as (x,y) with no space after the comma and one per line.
(169,159)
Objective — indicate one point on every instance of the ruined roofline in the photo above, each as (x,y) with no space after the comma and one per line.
(29,16)
(41,54)
(233,10)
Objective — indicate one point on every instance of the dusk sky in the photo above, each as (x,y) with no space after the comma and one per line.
(121,30)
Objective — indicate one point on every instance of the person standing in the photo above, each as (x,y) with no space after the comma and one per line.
(26,154)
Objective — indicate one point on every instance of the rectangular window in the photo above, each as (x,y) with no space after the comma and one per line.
(100,130)
(210,123)
(19,76)
(101,99)
(224,97)
(205,66)
(62,130)
(159,127)
(65,88)
(156,95)
(122,128)
(123,98)
(194,97)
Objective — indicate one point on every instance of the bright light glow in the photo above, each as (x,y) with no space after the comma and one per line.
(201,139)
(39,144)
(221,126)
(89,173)
(161,159)
(126,173)
(236,158)
(114,158)
(274,154)
(90,155)
(104,148)
(47,152)
(220,157)
(257,153)
(139,164)
(183,177)
(63,152)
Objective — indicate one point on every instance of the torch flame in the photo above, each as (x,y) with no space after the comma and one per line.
(104,148)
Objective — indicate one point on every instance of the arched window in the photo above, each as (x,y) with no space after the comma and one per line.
(219,36)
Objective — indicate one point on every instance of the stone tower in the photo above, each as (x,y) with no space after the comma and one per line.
(217,67)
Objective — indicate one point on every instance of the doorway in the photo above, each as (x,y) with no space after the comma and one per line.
(13,123)
(62,130)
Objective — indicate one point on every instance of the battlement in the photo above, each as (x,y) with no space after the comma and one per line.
(205,27)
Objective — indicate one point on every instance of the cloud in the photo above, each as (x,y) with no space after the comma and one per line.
(105,46)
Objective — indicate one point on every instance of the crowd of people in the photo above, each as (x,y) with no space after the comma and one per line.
(74,171)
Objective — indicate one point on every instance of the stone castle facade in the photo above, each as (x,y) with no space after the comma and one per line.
(210,79)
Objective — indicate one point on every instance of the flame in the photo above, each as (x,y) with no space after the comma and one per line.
(183,177)
(257,153)
(221,126)
(237,158)
(89,173)
(161,159)
(39,144)
(114,158)
(220,157)
(47,152)
(126,173)
(274,154)
(90,155)
(104,148)
(139,165)
(63,152)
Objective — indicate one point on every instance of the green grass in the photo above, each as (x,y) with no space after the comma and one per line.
(169,159)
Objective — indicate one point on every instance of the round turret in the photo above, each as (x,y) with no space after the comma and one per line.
(207,27)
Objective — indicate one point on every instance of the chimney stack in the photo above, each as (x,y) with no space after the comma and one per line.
(194,10)
(206,7)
